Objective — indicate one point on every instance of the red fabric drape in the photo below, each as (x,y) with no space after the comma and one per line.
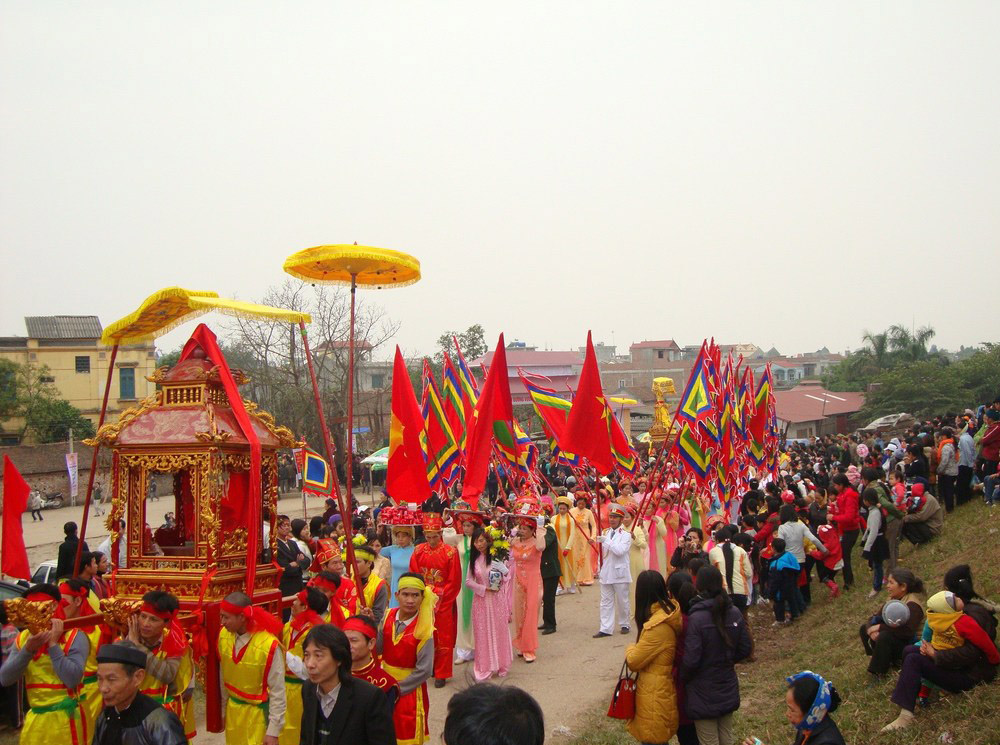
(14,559)
(203,338)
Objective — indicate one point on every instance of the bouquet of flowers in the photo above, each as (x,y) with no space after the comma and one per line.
(499,554)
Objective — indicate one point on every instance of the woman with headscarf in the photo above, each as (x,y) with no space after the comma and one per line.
(809,702)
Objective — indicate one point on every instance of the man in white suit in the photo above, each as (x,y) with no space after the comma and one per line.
(615,576)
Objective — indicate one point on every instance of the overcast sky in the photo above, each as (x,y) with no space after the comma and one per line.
(783,173)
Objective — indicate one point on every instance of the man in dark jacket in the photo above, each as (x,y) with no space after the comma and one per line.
(67,552)
(336,706)
(291,560)
(550,580)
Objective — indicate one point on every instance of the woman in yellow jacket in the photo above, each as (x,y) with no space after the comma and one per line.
(660,624)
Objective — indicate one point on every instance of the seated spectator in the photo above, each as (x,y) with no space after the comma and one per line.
(925,518)
(958,656)
(885,643)
(809,702)
(487,714)
(958,580)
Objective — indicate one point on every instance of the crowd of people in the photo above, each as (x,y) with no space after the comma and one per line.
(450,583)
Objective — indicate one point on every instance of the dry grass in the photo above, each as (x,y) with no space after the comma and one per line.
(826,641)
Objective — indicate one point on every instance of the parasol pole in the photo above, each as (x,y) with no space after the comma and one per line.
(350,396)
(93,462)
(328,444)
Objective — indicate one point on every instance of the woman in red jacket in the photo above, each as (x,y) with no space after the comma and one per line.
(845,514)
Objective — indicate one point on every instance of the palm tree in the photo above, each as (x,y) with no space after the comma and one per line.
(910,346)
(876,349)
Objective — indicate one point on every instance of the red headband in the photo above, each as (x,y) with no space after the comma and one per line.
(39,597)
(163,615)
(323,583)
(236,610)
(360,626)
(66,589)
(302,596)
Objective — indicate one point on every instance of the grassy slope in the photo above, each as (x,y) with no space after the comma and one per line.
(826,641)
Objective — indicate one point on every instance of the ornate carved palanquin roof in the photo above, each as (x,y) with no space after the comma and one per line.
(191,408)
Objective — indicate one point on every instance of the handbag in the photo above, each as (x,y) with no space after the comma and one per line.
(623,699)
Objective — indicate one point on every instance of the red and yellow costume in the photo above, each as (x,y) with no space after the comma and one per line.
(399,659)
(54,710)
(244,675)
(88,694)
(174,644)
(442,571)
(372,672)
(292,637)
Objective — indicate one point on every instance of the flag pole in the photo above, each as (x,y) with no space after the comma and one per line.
(93,460)
(328,444)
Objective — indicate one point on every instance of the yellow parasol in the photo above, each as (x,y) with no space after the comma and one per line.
(352,265)
(622,401)
(158,314)
(172,306)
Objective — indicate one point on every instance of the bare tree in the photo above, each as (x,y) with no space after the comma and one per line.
(272,354)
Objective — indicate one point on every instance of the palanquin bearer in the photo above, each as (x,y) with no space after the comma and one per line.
(441,569)
(361,633)
(406,644)
(375,588)
(52,664)
(169,661)
(252,670)
(79,600)
(307,612)
(130,717)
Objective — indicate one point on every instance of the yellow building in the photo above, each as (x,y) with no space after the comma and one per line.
(69,346)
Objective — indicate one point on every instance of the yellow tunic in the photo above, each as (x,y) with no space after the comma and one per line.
(292,642)
(53,716)
(585,519)
(569,539)
(244,675)
(91,702)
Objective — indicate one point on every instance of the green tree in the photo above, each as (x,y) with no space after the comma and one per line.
(51,419)
(472,342)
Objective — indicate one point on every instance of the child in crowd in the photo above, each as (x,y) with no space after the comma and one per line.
(783,580)
(874,546)
(827,566)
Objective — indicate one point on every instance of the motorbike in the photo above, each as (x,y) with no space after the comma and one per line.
(50,500)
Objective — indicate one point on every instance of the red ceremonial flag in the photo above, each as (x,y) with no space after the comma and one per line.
(587,429)
(493,416)
(406,471)
(14,559)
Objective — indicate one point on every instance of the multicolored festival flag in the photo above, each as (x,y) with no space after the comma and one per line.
(316,479)
(437,439)
(696,454)
(454,408)
(406,471)
(588,428)
(695,404)
(553,410)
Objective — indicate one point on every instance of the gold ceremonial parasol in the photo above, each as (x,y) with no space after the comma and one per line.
(352,265)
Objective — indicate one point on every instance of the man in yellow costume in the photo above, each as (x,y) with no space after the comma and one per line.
(252,670)
(169,661)
(570,543)
(79,600)
(307,612)
(406,644)
(51,663)
(375,588)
